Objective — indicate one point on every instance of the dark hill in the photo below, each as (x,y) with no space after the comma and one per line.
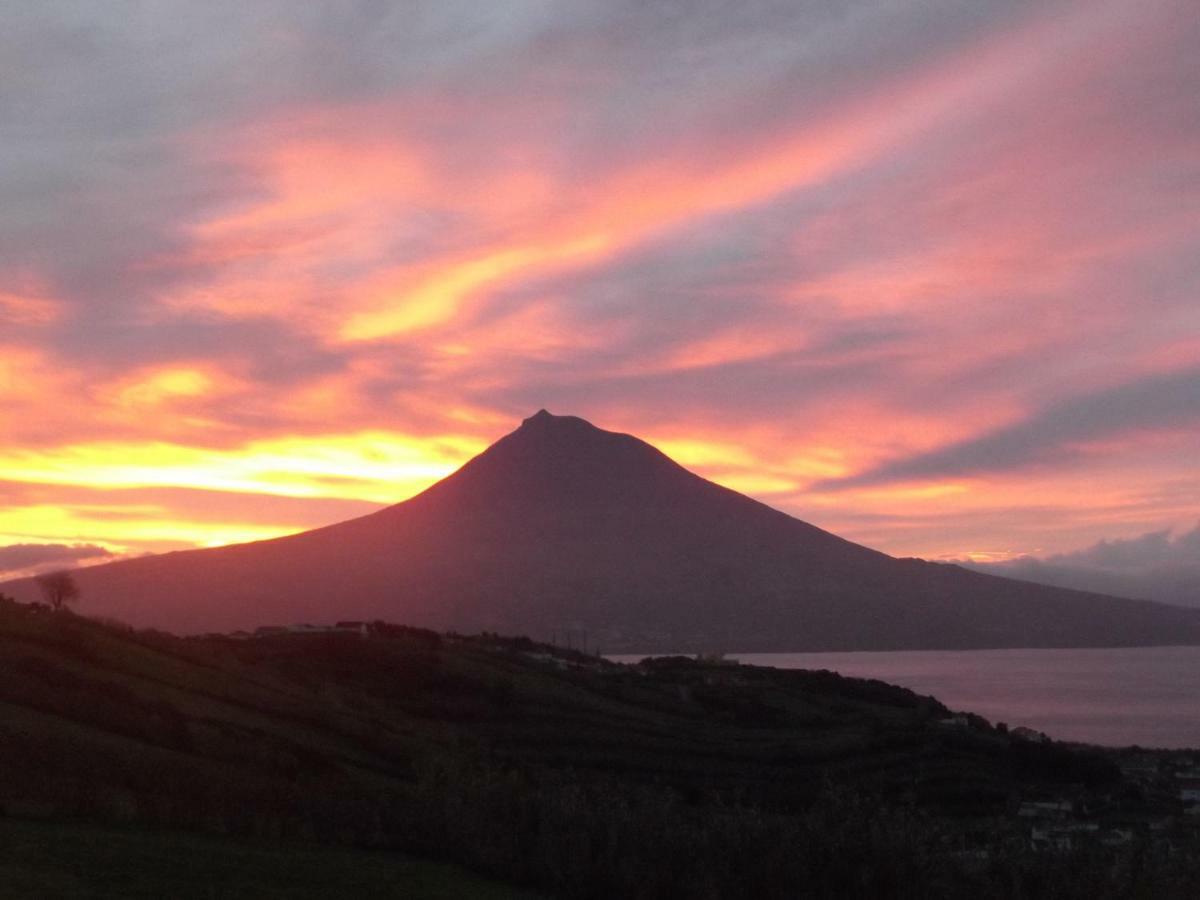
(561,525)
(120,750)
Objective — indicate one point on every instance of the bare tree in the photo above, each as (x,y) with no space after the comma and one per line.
(58,588)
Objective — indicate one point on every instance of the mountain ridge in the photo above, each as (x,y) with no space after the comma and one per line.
(561,525)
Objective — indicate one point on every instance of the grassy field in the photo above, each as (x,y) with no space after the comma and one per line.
(51,861)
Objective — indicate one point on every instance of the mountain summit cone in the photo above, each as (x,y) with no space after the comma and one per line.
(561,526)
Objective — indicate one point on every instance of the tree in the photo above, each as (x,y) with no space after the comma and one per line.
(58,588)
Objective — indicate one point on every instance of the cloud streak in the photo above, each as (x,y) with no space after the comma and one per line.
(1059,433)
(21,560)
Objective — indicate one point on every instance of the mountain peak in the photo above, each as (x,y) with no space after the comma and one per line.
(567,433)
(563,457)
(543,419)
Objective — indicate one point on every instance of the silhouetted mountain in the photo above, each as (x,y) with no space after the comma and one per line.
(561,526)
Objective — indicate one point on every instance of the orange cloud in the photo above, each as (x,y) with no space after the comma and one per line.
(328,199)
(123,529)
(164,387)
(377,466)
(26,309)
(423,300)
(39,398)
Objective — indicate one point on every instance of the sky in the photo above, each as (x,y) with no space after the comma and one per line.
(925,273)
(1157,565)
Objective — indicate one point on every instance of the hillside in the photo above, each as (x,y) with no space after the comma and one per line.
(536,766)
(263,718)
(563,526)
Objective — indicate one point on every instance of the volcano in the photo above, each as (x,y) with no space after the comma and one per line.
(561,528)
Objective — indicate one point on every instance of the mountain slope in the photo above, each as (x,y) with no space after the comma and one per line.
(561,525)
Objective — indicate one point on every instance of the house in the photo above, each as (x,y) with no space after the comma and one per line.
(1140,768)
(1028,734)
(305,628)
(349,627)
(1115,837)
(1062,837)
(1045,809)
(548,659)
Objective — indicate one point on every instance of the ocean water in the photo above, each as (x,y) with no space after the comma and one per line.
(1148,696)
(1132,695)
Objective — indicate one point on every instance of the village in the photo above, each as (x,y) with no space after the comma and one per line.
(1157,803)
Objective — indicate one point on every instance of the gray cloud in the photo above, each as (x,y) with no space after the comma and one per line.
(1052,434)
(24,558)
(1153,566)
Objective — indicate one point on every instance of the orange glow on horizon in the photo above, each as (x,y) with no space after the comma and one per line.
(124,529)
(374,466)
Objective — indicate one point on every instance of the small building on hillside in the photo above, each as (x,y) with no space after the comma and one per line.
(1189,791)
(1028,734)
(1045,809)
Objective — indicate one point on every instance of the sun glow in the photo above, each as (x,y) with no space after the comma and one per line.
(374,465)
(124,528)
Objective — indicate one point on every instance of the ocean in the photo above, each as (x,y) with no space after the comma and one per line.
(1149,696)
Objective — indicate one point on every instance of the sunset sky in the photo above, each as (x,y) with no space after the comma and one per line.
(925,273)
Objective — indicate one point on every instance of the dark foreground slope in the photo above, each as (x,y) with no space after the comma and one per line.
(556,771)
(561,525)
(42,860)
